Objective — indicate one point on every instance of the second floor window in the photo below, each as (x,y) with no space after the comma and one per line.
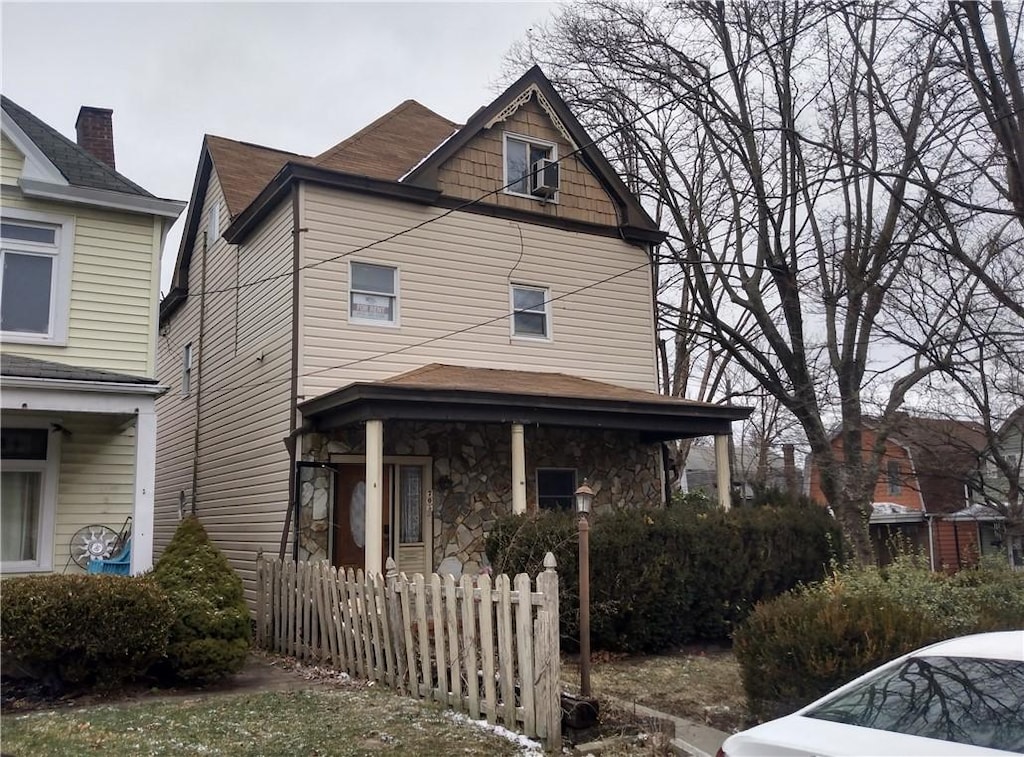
(35,280)
(521,155)
(530,316)
(373,294)
(893,475)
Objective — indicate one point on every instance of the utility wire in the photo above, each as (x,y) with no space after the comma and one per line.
(470,203)
(462,206)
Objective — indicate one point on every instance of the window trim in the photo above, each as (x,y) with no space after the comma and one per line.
(392,324)
(60,277)
(560,469)
(549,335)
(50,468)
(516,137)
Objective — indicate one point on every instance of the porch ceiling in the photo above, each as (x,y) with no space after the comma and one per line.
(486,395)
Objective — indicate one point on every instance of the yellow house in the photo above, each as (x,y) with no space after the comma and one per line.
(78,320)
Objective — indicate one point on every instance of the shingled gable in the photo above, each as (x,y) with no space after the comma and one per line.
(534,84)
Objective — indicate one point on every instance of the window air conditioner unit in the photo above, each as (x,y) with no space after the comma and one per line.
(544,178)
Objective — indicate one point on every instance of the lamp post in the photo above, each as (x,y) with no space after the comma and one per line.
(584,497)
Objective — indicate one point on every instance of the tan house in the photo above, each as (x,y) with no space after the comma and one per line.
(380,349)
(78,321)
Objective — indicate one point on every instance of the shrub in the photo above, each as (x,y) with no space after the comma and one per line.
(661,578)
(798,647)
(79,631)
(211,631)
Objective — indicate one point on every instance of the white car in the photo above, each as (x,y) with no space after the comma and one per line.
(959,697)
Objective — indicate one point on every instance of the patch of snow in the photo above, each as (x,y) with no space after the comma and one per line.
(529,747)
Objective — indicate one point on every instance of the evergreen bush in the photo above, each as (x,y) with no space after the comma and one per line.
(801,645)
(211,632)
(81,631)
(661,578)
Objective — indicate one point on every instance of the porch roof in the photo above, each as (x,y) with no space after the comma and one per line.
(488,395)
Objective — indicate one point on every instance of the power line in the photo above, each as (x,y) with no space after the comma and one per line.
(470,203)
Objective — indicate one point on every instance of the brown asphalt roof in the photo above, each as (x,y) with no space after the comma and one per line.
(388,148)
(461,378)
(392,145)
(244,169)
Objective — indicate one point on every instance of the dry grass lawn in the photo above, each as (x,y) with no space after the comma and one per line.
(702,686)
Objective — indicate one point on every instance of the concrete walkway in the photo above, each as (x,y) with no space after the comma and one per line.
(693,739)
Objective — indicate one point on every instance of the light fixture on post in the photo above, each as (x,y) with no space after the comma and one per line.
(584,499)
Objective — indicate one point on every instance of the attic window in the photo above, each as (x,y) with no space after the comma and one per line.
(521,155)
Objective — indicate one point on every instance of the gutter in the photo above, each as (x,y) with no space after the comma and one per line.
(100,387)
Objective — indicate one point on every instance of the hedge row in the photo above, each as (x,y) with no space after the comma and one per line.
(661,578)
(80,631)
(186,622)
(799,646)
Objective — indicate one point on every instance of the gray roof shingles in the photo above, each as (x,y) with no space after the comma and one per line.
(29,367)
(79,167)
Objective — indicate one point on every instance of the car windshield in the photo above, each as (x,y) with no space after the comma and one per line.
(959,699)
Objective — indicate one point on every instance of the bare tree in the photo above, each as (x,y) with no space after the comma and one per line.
(808,160)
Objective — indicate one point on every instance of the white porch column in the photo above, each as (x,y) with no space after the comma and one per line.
(723,476)
(374,552)
(518,470)
(145,479)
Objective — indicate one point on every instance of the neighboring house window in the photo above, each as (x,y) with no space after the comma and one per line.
(556,488)
(373,293)
(521,153)
(895,485)
(186,370)
(28,498)
(35,258)
(530,313)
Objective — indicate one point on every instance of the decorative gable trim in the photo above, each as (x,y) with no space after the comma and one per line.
(37,166)
(524,97)
(631,214)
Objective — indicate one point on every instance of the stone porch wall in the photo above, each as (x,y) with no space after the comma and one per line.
(472,471)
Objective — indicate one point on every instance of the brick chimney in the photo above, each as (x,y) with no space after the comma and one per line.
(95,133)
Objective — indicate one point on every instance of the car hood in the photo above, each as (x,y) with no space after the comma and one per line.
(799,736)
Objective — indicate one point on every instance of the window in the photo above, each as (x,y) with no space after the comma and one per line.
(520,155)
(530,312)
(373,294)
(28,484)
(186,370)
(36,262)
(893,471)
(410,502)
(556,488)
(213,223)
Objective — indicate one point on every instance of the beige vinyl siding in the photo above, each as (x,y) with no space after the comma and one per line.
(11,162)
(243,372)
(455,273)
(112,318)
(478,171)
(96,482)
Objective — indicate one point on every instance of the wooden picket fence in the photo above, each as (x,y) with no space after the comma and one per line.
(489,650)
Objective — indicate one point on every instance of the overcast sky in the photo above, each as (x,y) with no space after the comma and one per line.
(297,77)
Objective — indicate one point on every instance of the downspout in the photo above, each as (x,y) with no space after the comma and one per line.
(956,543)
(931,542)
(294,431)
(199,380)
